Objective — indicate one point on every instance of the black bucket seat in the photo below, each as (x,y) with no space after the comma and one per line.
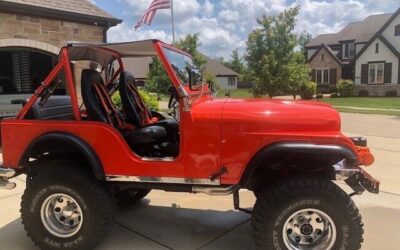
(99,107)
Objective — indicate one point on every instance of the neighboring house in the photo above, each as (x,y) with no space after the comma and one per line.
(31,34)
(225,77)
(368,52)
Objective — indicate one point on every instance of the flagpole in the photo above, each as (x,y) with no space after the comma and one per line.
(172,21)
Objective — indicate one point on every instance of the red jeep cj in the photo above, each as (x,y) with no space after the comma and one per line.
(82,155)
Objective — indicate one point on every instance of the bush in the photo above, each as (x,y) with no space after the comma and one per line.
(363,93)
(149,100)
(307,90)
(334,95)
(345,87)
(319,96)
(332,89)
(391,93)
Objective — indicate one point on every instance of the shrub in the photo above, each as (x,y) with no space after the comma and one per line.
(308,89)
(345,87)
(391,93)
(149,100)
(363,93)
(319,96)
(332,89)
(334,95)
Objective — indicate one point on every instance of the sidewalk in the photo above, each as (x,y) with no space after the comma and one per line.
(362,108)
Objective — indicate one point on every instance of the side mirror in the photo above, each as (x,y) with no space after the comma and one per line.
(194,78)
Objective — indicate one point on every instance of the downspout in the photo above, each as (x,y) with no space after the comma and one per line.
(105,29)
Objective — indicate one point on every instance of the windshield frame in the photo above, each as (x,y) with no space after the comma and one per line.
(163,47)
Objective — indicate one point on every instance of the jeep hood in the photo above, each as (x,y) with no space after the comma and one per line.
(272,115)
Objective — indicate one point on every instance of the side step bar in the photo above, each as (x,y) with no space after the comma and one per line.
(5,174)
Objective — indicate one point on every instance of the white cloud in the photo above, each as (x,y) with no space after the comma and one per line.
(224,25)
(208,8)
(123,33)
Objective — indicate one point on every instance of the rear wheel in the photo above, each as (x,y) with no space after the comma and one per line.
(65,208)
(306,214)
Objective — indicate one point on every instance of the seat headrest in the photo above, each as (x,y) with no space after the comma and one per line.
(128,77)
(93,75)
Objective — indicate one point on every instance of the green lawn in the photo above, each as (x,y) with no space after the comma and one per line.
(366,102)
(235,93)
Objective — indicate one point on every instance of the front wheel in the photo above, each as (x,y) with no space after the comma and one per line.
(306,214)
(64,208)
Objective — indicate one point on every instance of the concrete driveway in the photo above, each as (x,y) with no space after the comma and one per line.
(185,221)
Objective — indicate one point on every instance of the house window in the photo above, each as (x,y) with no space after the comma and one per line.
(376,48)
(349,49)
(322,57)
(322,76)
(375,73)
(397,30)
(231,81)
(352,49)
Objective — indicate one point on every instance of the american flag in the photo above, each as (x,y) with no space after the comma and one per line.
(151,11)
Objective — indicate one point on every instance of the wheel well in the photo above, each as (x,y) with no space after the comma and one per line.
(284,160)
(62,146)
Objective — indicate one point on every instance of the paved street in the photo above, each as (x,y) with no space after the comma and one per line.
(187,221)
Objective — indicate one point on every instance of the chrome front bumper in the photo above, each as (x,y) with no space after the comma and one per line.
(5,174)
(357,178)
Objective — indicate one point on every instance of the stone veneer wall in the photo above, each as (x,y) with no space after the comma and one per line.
(54,32)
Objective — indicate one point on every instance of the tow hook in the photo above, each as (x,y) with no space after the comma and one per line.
(5,174)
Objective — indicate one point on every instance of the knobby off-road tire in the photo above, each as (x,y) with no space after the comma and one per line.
(287,215)
(130,196)
(59,196)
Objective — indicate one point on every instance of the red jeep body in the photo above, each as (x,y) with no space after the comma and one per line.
(214,132)
(286,152)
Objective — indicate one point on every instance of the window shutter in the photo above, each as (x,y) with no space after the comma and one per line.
(364,73)
(388,73)
(332,76)
(313,75)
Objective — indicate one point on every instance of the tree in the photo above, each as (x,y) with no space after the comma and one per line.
(298,74)
(303,40)
(269,51)
(190,44)
(157,78)
(236,62)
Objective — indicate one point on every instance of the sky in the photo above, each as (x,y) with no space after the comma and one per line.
(224,25)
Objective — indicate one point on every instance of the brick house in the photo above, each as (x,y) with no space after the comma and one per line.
(368,52)
(31,34)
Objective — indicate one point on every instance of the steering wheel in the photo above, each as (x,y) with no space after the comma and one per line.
(173,102)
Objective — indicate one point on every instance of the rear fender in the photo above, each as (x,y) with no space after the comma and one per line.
(68,139)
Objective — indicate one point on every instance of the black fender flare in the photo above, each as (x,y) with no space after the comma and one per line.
(337,151)
(82,146)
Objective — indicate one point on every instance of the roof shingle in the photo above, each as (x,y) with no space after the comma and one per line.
(361,32)
(83,7)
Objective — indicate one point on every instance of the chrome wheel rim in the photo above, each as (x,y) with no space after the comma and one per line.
(309,229)
(61,215)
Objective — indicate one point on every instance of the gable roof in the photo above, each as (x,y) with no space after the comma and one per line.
(360,32)
(378,34)
(330,52)
(77,10)
(218,69)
